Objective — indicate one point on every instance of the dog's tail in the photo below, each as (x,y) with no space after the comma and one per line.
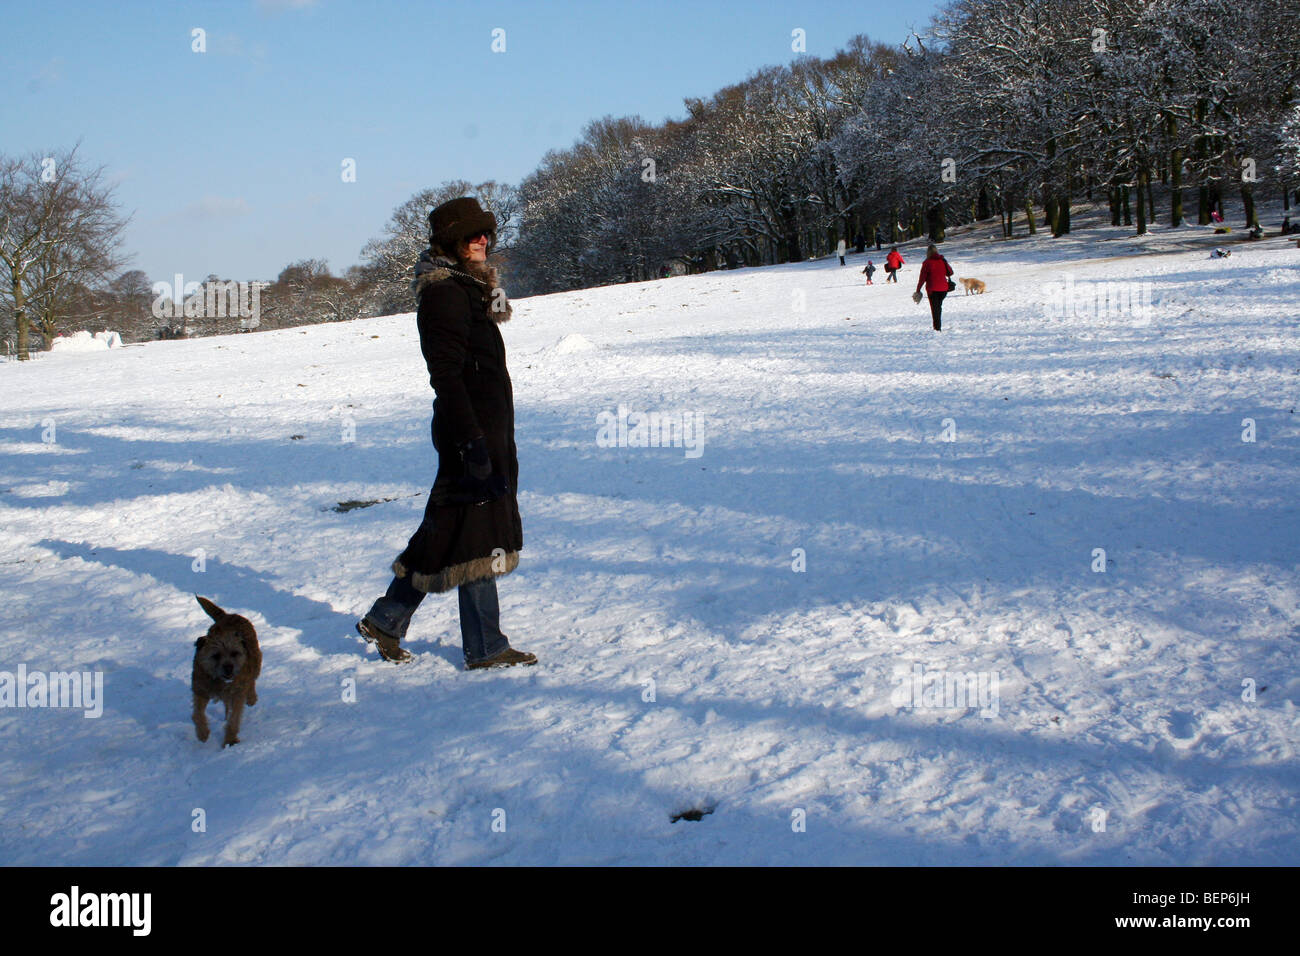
(214,612)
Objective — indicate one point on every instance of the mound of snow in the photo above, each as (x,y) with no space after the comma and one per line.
(573,343)
(85,342)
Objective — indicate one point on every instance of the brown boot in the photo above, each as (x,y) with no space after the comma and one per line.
(507,658)
(390,648)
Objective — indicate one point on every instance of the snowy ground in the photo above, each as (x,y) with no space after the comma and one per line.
(1116,728)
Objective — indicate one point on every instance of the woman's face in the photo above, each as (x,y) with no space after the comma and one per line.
(475,248)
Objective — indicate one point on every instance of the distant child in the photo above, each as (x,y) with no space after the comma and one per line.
(870,270)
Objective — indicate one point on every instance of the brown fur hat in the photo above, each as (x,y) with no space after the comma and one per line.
(456,220)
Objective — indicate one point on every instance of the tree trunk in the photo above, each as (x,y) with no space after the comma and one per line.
(1062,216)
(1029,214)
(47,321)
(1114,206)
(937,223)
(1248,200)
(1176,175)
(1128,206)
(1151,202)
(893,226)
(1142,185)
(20,321)
(1202,148)
(982,209)
(790,229)
(1050,212)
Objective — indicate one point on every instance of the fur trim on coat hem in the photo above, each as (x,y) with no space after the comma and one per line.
(467,572)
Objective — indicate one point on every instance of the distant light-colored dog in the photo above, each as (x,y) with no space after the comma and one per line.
(973,285)
(227,661)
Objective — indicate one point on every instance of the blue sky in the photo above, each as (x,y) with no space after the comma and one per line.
(230,160)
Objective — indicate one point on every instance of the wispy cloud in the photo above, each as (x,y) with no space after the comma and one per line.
(211,209)
(275,5)
(233,45)
(48,75)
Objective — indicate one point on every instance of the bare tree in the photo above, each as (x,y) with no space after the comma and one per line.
(58,226)
(389,259)
(130,310)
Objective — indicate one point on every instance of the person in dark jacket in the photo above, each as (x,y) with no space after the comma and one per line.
(870,270)
(935,273)
(471,532)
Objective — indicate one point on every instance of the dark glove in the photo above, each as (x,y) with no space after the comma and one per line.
(480,484)
(475,455)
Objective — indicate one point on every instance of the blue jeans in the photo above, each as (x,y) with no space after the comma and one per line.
(480,615)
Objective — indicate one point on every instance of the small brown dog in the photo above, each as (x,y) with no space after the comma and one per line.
(973,285)
(227,662)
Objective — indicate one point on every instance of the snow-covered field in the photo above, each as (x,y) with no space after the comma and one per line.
(946,497)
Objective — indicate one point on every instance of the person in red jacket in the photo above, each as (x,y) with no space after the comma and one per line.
(935,273)
(892,262)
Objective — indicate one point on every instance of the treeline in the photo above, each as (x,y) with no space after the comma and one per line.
(1012,108)
(304,293)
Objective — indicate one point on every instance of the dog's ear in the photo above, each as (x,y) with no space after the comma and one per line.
(214,612)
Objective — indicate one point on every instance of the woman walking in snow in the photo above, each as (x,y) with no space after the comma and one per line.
(471,533)
(893,262)
(935,273)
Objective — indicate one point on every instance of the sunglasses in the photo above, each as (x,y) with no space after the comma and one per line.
(486,236)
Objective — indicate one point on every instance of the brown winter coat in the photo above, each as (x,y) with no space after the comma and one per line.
(466,358)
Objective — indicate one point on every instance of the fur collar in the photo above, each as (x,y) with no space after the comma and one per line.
(430,269)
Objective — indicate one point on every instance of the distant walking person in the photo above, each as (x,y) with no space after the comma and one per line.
(935,273)
(840,250)
(870,270)
(880,238)
(893,262)
(471,532)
